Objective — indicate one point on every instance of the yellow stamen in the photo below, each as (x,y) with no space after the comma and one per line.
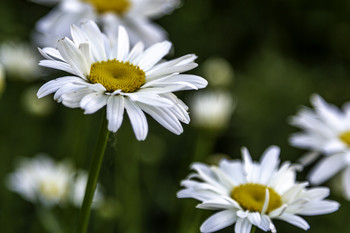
(51,190)
(117,6)
(252,197)
(345,137)
(115,75)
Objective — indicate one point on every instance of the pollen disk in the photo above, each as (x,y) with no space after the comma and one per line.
(251,197)
(115,75)
(118,6)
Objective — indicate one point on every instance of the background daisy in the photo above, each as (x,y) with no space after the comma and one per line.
(326,130)
(249,193)
(134,15)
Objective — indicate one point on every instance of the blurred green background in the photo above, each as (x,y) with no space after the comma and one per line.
(281,53)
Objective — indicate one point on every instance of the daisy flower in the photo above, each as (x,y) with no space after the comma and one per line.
(106,73)
(134,15)
(45,181)
(326,131)
(221,105)
(41,180)
(11,51)
(253,193)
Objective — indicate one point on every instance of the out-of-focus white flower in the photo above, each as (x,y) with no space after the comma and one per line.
(78,191)
(218,71)
(19,60)
(134,15)
(33,105)
(326,131)
(2,79)
(212,109)
(253,193)
(42,180)
(107,73)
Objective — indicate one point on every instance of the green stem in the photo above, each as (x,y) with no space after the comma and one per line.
(94,171)
(253,229)
(49,220)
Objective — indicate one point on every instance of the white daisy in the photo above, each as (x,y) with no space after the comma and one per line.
(107,73)
(11,51)
(249,193)
(41,180)
(326,131)
(134,15)
(221,105)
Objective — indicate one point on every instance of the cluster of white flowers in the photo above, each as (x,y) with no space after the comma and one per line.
(42,180)
(121,67)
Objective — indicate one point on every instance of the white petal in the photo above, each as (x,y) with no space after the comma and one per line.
(164,117)
(78,35)
(123,44)
(203,195)
(219,221)
(73,99)
(328,113)
(269,163)
(96,40)
(115,112)
(327,168)
(93,102)
(294,220)
(266,201)
(254,218)
(135,53)
(150,99)
(53,85)
(234,170)
(153,54)
(51,53)
(74,57)
(138,120)
(319,207)
(318,193)
(217,204)
(170,70)
(243,226)
(309,158)
(346,182)
(59,65)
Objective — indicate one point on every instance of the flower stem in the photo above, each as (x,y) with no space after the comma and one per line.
(94,171)
(49,220)
(253,229)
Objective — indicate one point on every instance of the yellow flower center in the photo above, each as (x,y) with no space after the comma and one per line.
(115,75)
(117,6)
(345,137)
(251,197)
(51,190)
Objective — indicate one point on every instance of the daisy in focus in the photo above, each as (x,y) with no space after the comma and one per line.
(134,15)
(251,193)
(326,131)
(107,73)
